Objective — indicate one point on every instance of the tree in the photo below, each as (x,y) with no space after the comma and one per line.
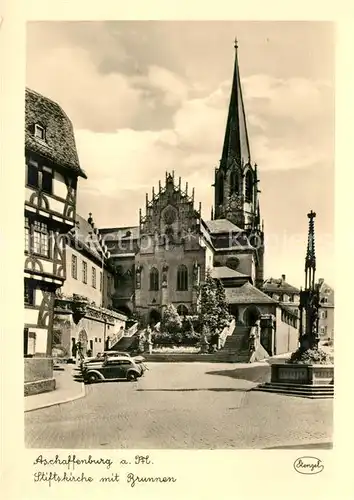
(224,315)
(214,312)
(209,310)
(171,321)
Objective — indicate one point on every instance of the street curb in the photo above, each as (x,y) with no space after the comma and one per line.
(67,400)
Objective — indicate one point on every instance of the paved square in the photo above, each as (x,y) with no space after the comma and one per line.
(183,406)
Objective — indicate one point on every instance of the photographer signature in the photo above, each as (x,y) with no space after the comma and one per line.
(308,465)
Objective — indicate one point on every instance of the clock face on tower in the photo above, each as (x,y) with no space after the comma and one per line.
(235,203)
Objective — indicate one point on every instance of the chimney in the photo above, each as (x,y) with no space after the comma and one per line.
(283,277)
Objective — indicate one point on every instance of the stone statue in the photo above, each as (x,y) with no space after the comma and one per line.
(138,276)
(164,275)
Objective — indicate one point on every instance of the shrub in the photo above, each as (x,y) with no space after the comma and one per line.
(310,356)
(171,321)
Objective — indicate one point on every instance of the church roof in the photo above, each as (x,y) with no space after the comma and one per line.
(221,226)
(247,294)
(59,145)
(224,272)
(121,233)
(236,145)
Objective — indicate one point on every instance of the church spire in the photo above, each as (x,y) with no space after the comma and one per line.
(236,145)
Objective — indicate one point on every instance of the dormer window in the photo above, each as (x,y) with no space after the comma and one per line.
(39,132)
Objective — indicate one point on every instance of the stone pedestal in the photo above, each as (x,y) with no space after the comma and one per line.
(38,376)
(313,381)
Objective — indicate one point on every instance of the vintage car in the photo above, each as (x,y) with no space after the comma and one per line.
(115,368)
(101,357)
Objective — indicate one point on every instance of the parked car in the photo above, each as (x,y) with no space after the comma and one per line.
(114,368)
(100,358)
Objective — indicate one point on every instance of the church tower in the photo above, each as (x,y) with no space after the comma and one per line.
(236,179)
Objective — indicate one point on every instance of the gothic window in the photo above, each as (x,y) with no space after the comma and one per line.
(182,310)
(154,279)
(93,277)
(234,183)
(182,278)
(221,190)
(249,187)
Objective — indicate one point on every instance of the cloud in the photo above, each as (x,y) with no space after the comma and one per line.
(174,89)
(92,100)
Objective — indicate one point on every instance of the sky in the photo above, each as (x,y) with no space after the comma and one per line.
(146,97)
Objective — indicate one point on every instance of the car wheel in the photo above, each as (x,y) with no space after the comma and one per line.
(92,378)
(131,376)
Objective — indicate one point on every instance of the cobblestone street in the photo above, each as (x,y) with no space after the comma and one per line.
(183,405)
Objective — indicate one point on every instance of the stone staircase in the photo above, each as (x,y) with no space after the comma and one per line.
(123,340)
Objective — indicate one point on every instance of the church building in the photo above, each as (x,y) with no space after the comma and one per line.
(164,259)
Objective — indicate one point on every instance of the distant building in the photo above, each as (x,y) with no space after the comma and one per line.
(280,290)
(52,171)
(326,311)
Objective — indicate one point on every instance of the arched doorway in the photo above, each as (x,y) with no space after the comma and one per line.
(182,310)
(154,317)
(251,315)
(83,339)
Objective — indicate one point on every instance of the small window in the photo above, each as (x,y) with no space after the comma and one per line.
(74,266)
(27,235)
(84,271)
(93,277)
(47,180)
(99,340)
(32,174)
(101,281)
(29,294)
(39,132)
(95,339)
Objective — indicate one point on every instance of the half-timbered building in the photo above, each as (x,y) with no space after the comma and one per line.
(51,177)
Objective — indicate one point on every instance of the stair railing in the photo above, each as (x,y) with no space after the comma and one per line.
(227,331)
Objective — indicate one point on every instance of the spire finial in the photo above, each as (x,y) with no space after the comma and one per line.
(236,43)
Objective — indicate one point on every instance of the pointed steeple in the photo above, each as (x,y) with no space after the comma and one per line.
(236,145)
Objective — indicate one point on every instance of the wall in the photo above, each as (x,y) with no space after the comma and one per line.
(97,331)
(286,336)
(77,286)
(147,299)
